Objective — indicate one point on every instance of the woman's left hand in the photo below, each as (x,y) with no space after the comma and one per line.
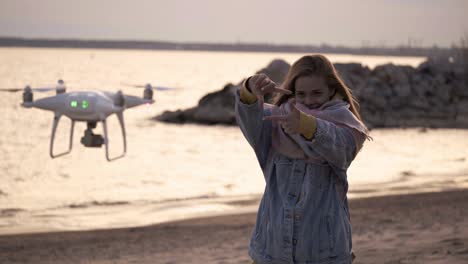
(290,122)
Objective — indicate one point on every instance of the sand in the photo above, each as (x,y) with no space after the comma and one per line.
(416,228)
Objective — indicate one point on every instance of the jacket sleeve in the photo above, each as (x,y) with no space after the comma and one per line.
(249,117)
(336,144)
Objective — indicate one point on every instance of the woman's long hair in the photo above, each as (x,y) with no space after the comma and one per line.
(317,65)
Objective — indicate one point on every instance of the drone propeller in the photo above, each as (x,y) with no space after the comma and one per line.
(149,86)
(11,90)
(60,88)
(43,89)
(39,90)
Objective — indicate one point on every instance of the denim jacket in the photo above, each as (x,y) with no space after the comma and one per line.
(303,216)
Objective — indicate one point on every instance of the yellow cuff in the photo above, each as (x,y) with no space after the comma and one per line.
(307,125)
(246,96)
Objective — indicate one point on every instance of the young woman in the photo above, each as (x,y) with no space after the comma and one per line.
(304,142)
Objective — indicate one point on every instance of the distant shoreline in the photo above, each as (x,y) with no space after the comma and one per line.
(241,47)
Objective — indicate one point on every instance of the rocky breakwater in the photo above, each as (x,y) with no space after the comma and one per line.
(434,94)
(218,107)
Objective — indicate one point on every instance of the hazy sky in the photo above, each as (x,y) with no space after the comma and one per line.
(346,22)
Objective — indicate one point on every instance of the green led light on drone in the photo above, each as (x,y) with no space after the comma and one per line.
(84,104)
(74,103)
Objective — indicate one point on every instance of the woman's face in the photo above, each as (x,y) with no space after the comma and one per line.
(312,91)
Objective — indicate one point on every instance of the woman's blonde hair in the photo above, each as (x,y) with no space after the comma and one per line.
(317,65)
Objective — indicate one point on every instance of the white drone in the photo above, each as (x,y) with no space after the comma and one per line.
(85,106)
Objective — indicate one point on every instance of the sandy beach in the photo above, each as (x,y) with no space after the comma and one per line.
(415,228)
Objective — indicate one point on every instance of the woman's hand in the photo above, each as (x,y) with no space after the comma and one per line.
(260,85)
(290,122)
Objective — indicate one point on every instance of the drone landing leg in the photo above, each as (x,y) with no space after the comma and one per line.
(52,138)
(106,138)
(122,126)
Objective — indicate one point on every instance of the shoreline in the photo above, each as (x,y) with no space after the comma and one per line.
(399,50)
(412,228)
(121,215)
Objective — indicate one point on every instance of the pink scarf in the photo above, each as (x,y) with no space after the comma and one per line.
(336,111)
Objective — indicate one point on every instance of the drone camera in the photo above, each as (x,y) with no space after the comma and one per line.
(90,139)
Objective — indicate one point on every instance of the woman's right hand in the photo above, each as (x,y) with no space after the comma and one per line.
(260,85)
